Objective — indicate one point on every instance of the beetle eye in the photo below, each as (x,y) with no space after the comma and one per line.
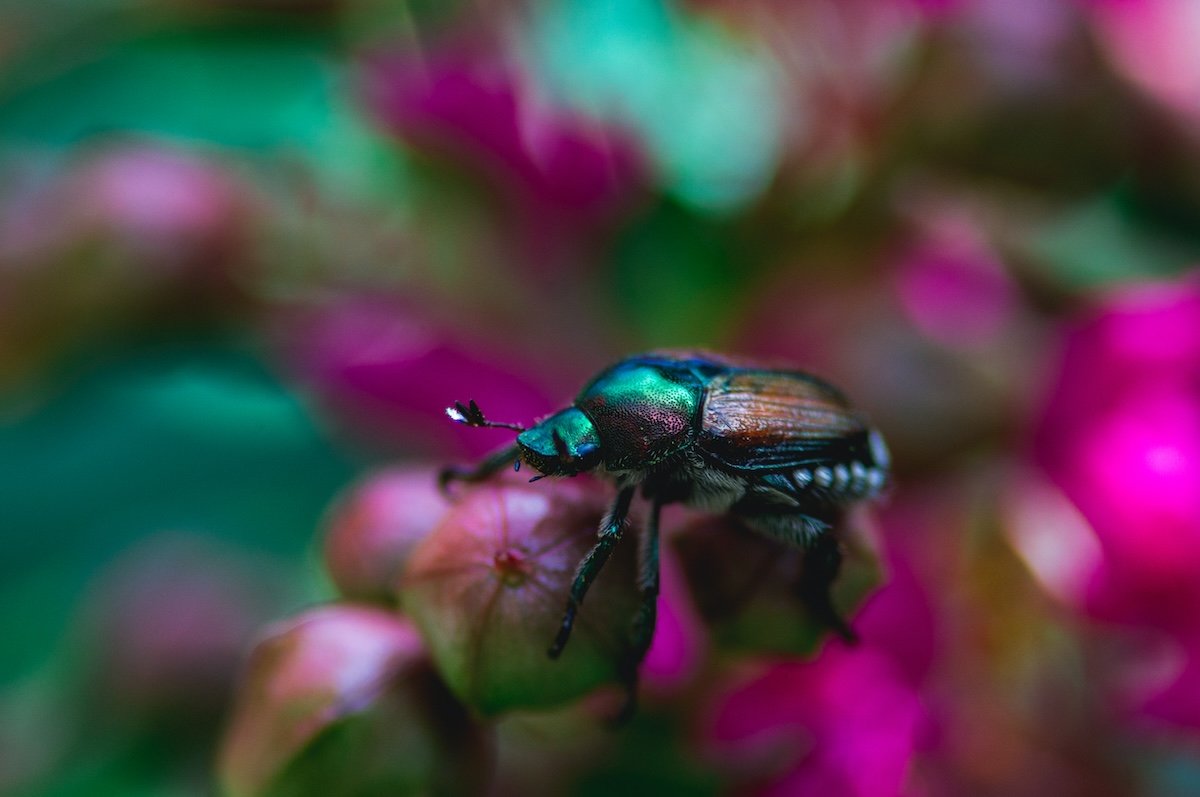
(586,450)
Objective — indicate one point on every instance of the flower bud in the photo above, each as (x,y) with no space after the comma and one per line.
(341,699)
(743,583)
(165,626)
(374,529)
(488,588)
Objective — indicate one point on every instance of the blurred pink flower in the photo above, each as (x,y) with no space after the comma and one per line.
(933,8)
(935,403)
(1136,337)
(560,174)
(374,527)
(1121,437)
(362,673)
(1019,44)
(1167,689)
(129,232)
(169,622)
(156,192)
(953,288)
(388,374)
(1153,44)
(849,722)
(164,212)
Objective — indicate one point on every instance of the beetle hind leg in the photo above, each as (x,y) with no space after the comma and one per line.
(822,561)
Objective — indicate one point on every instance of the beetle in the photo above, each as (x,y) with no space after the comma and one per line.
(781,449)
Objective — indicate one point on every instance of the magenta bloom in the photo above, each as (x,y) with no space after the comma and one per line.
(1121,438)
(471,103)
(953,289)
(559,173)
(388,374)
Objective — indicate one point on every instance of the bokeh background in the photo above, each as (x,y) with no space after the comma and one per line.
(250,249)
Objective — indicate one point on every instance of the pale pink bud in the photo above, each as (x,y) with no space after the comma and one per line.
(488,588)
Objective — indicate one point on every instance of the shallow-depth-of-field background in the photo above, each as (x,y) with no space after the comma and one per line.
(250,250)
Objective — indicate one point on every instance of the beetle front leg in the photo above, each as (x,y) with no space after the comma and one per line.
(491,465)
(589,567)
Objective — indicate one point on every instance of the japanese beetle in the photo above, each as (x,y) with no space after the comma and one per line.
(781,449)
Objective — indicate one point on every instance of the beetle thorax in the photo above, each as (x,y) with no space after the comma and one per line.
(642,413)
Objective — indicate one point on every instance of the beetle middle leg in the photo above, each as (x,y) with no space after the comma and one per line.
(641,632)
(590,566)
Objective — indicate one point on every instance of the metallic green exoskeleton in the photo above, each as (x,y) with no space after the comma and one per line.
(778,448)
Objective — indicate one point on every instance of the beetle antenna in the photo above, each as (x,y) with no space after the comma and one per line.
(470,415)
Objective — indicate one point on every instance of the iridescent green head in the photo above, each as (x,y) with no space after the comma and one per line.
(564,444)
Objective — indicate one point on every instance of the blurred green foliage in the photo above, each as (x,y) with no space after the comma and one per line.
(190,436)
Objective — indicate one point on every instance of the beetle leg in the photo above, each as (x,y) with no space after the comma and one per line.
(644,621)
(590,565)
(822,560)
(492,464)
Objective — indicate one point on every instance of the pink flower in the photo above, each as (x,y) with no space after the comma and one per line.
(1153,44)
(1167,695)
(952,288)
(388,373)
(849,722)
(1018,45)
(1121,437)
(169,623)
(159,205)
(110,240)
(339,673)
(376,525)
(560,174)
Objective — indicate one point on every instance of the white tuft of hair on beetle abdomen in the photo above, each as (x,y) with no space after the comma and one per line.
(713,490)
(790,528)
